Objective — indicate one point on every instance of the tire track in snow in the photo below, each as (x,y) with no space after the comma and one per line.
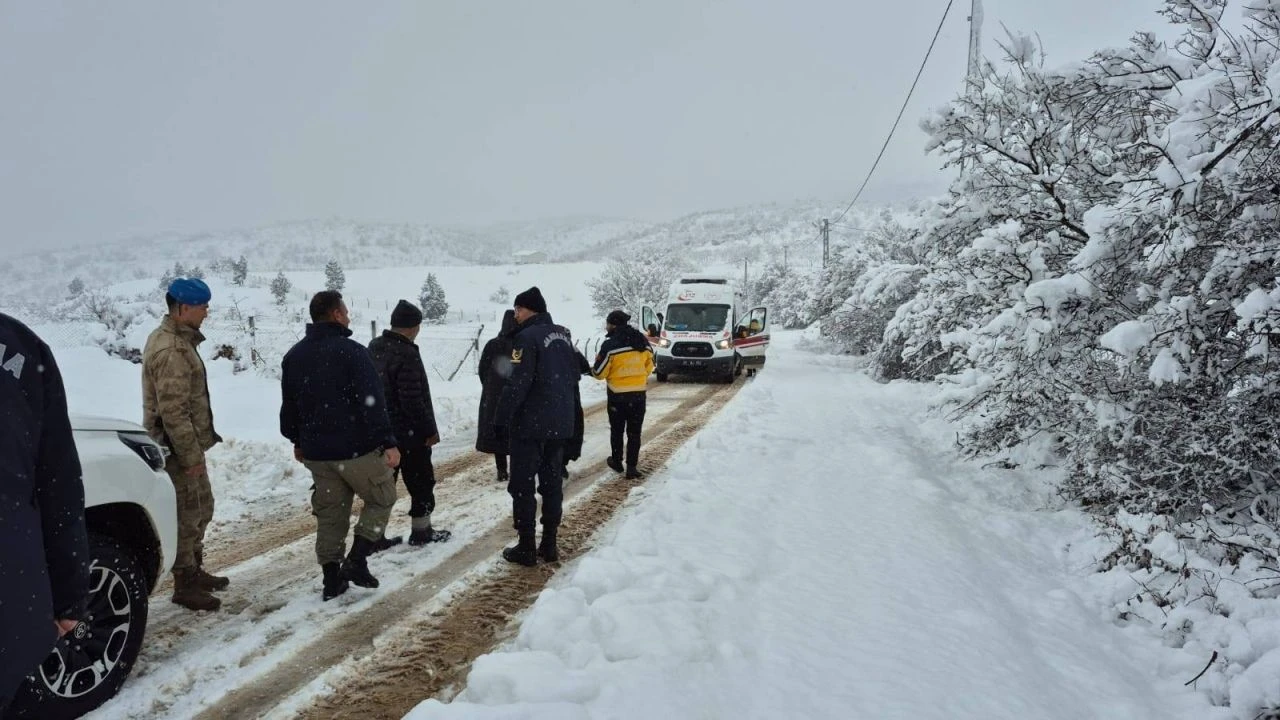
(403,657)
(264,534)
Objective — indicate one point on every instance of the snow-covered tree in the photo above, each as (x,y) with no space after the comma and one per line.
(435,308)
(635,279)
(280,287)
(334,279)
(239,270)
(76,286)
(785,291)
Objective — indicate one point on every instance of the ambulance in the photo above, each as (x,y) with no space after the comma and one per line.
(706,330)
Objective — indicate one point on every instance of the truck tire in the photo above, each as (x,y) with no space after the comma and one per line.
(71,682)
(662,377)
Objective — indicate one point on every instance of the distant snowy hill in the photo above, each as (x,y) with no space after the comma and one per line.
(755,232)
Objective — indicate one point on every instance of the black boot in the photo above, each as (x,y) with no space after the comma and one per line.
(385,543)
(633,473)
(423,533)
(523,553)
(547,550)
(334,582)
(614,464)
(503,476)
(356,567)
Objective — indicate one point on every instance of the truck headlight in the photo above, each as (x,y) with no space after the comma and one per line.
(146,448)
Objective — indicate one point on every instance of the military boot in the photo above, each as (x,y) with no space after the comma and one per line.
(523,553)
(188,592)
(207,581)
(386,543)
(356,567)
(423,533)
(334,582)
(547,549)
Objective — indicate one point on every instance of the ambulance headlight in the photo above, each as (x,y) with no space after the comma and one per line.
(724,344)
(663,342)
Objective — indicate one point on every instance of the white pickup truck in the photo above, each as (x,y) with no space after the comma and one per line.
(131,513)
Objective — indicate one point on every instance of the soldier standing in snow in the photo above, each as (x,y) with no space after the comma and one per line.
(625,362)
(495,368)
(177,414)
(536,408)
(334,412)
(44,559)
(408,393)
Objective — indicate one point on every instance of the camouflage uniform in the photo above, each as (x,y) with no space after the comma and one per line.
(177,414)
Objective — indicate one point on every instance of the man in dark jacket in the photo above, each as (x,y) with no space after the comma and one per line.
(44,570)
(495,368)
(334,412)
(408,392)
(537,409)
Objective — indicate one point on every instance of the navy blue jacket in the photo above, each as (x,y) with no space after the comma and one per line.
(538,400)
(44,551)
(332,405)
(404,380)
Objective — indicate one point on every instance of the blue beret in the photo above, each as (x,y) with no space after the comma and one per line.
(190,291)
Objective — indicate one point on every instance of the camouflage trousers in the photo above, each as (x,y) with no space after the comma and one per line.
(337,482)
(195,510)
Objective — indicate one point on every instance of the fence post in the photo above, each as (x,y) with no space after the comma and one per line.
(475,347)
(373,329)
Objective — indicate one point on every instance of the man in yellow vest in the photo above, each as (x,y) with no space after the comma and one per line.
(625,362)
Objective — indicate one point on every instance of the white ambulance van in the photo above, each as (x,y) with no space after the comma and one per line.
(705,330)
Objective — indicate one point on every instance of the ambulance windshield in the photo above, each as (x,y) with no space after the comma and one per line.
(696,318)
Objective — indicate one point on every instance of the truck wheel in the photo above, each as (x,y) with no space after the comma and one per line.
(90,663)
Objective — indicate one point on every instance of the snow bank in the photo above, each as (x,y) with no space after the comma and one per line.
(815,552)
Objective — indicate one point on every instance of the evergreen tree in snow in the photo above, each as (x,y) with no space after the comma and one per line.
(239,271)
(434,306)
(334,279)
(280,288)
(76,287)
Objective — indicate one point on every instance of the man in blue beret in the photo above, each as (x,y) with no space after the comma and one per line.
(177,414)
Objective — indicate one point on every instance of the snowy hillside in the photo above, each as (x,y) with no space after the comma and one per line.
(757,232)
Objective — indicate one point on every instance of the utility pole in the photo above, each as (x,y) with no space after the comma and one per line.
(975,45)
(826,241)
(784,260)
(972,79)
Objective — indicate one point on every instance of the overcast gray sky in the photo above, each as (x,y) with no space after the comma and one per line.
(127,117)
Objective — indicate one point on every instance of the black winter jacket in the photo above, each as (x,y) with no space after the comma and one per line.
(332,405)
(537,402)
(44,570)
(408,391)
(494,369)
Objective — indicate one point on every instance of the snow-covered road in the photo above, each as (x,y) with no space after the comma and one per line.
(819,552)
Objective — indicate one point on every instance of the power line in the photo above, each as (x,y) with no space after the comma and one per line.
(901,111)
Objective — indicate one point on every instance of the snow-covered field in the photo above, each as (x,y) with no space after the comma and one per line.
(818,552)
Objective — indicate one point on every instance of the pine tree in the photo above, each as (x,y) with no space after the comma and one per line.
(334,279)
(76,287)
(280,288)
(434,305)
(239,271)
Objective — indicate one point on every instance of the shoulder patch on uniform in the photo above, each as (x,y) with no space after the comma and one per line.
(516,355)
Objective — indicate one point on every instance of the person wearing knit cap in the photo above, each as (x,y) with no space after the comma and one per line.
(624,362)
(413,418)
(536,410)
(177,414)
